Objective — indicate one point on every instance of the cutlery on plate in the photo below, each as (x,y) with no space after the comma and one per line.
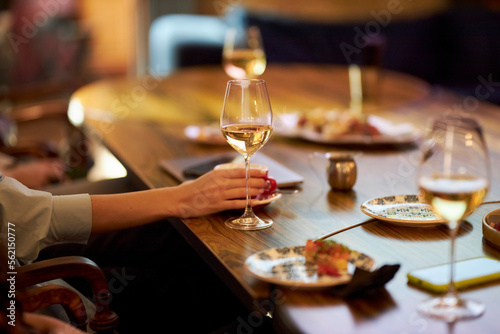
(371,220)
(490,202)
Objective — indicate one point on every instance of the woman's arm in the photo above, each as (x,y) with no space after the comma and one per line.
(215,191)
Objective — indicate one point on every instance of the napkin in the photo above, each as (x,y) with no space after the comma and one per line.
(364,281)
(186,168)
(197,170)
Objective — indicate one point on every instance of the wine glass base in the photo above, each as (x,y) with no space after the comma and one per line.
(248,224)
(451,309)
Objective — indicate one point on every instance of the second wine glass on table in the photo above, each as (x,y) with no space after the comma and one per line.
(247,123)
(243,55)
(454,176)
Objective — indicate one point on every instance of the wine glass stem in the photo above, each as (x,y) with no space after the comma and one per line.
(452,291)
(248,209)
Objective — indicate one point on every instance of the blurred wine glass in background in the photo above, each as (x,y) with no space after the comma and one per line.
(243,55)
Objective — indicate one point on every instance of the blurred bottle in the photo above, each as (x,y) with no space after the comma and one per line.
(365,73)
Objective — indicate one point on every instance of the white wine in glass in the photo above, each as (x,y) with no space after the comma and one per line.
(454,177)
(243,55)
(247,123)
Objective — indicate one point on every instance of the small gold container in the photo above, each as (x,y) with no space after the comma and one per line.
(341,171)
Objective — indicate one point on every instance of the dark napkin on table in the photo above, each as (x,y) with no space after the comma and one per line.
(364,281)
(197,170)
(187,168)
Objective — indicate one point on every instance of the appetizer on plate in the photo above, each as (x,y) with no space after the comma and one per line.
(342,126)
(332,123)
(330,257)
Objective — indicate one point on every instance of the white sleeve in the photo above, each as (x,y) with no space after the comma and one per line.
(39,219)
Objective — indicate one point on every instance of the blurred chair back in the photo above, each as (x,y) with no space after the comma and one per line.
(180,40)
(43,54)
(44,50)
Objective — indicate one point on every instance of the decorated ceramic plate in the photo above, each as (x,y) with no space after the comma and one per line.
(205,134)
(287,266)
(404,210)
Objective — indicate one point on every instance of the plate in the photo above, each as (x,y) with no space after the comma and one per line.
(205,134)
(266,201)
(286,125)
(404,210)
(287,266)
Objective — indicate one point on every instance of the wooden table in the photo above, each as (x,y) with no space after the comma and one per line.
(141,121)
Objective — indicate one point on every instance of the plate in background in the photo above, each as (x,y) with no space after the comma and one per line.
(205,134)
(403,210)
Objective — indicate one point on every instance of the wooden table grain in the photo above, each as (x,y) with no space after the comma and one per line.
(141,120)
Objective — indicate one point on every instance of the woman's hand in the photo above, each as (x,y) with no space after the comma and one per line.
(37,174)
(46,324)
(218,190)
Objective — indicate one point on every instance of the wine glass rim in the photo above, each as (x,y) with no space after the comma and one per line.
(243,81)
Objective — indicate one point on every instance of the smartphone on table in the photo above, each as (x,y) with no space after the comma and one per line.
(468,273)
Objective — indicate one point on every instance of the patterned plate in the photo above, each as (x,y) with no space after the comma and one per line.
(287,266)
(206,134)
(403,210)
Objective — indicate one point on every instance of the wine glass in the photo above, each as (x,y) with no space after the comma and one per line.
(454,177)
(243,55)
(247,122)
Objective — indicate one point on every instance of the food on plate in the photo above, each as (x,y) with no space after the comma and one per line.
(332,123)
(331,257)
(496,225)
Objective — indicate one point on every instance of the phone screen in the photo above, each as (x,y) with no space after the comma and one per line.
(467,273)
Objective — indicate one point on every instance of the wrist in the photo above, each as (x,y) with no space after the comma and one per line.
(171,202)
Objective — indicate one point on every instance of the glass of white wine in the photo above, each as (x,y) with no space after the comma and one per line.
(243,55)
(247,123)
(454,177)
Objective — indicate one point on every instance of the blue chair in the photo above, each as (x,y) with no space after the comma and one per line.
(179,40)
